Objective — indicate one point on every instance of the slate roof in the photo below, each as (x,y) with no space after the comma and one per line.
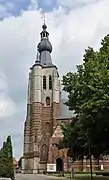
(64,110)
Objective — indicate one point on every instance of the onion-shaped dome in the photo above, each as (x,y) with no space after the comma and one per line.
(44,45)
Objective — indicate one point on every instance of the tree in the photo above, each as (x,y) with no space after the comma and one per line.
(73,140)
(88,96)
(9,154)
(6,160)
(2,163)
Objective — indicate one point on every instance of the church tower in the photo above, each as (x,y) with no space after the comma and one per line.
(42,107)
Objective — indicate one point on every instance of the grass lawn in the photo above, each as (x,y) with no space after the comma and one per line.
(88,178)
(82,176)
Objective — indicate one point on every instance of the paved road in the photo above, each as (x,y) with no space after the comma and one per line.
(36,177)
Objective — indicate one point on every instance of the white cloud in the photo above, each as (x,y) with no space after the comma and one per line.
(3,84)
(7,107)
(77,3)
(33,5)
(70,34)
(4,12)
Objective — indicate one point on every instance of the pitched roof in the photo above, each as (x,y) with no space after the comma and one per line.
(58,132)
(64,110)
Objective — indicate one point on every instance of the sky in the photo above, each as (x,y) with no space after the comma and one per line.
(73,26)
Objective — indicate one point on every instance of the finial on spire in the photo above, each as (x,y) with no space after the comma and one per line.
(43,16)
(44,26)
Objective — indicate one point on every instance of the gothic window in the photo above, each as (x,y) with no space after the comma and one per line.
(47,101)
(44,82)
(36,135)
(47,127)
(50,82)
(44,152)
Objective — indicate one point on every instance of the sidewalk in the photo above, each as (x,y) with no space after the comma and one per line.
(57,177)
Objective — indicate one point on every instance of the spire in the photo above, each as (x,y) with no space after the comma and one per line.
(44,45)
(44,48)
(44,34)
(37,59)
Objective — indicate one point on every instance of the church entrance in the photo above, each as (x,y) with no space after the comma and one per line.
(59,165)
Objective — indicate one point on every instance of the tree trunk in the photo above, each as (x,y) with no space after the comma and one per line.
(81,165)
(98,165)
(90,157)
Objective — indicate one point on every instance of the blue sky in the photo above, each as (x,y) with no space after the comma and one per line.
(47,5)
(14,7)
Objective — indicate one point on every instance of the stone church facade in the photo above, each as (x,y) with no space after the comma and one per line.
(43,109)
(45,112)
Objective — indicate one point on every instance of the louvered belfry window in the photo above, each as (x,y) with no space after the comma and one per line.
(44,82)
(50,82)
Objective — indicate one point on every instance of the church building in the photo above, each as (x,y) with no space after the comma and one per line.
(45,111)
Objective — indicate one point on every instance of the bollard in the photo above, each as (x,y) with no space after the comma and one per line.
(72,173)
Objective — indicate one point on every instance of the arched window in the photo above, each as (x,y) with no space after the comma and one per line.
(36,135)
(48,127)
(44,152)
(47,101)
(44,82)
(50,82)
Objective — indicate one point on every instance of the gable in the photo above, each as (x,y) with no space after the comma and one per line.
(58,132)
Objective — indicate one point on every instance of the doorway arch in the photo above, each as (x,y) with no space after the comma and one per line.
(59,164)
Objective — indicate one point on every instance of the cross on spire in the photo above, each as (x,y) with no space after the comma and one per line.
(43,16)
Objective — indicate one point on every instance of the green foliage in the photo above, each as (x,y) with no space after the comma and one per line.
(88,96)
(6,160)
(75,140)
